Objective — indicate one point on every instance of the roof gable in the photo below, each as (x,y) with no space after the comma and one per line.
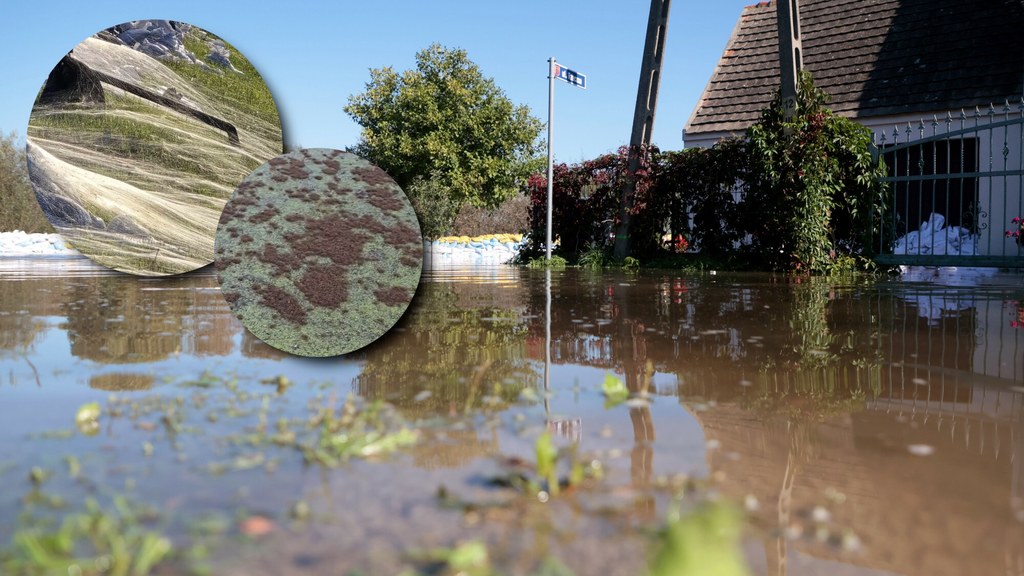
(874,57)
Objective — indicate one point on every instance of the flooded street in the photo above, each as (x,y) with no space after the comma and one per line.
(860,427)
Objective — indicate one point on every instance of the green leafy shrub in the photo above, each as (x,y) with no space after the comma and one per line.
(795,195)
(447,121)
(434,206)
(701,186)
(812,185)
(586,199)
(595,257)
(556,262)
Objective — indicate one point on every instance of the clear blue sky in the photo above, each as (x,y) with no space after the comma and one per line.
(313,55)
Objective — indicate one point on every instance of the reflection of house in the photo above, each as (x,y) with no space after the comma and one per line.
(951,512)
(886,63)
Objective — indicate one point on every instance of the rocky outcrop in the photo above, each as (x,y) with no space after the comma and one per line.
(165,39)
(220,56)
(157,38)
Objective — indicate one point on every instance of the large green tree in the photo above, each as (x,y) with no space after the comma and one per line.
(18,207)
(447,130)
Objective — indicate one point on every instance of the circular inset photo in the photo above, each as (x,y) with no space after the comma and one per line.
(318,252)
(139,136)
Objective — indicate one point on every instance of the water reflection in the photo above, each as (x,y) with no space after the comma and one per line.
(459,345)
(122,320)
(122,381)
(864,429)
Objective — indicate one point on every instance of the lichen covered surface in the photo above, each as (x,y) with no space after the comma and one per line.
(318,252)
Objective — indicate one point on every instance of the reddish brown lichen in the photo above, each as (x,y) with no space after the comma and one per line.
(372,175)
(324,285)
(368,223)
(263,216)
(283,262)
(330,237)
(400,235)
(320,245)
(331,167)
(279,300)
(296,169)
(392,296)
(385,199)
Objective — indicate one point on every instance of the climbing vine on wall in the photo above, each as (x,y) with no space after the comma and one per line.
(812,185)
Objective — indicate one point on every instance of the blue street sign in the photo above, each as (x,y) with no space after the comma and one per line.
(571,76)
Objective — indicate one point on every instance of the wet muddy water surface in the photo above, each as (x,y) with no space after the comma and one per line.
(860,427)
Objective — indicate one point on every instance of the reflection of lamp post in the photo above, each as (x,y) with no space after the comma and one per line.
(572,428)
(547,341)
(1017,477)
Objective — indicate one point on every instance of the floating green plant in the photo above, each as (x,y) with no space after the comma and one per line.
(98,541)
(87,418)
(615,392)
(704,542)
(360,431)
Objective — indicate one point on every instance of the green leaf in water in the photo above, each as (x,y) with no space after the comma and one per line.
(470,557)
(547,460)
(703,543)
(37,475)
(467,559)
(615,392)
(87,418)
(74,467)
(110,541)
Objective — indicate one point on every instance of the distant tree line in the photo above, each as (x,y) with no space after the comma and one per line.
(18,207)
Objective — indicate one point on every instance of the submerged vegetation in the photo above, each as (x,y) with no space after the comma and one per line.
(674,407)
(75,520)
(108,541)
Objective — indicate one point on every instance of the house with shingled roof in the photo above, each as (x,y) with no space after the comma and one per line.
(882,61)
(906,69)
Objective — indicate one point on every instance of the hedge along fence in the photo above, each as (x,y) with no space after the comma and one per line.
(793,195)
(586,200)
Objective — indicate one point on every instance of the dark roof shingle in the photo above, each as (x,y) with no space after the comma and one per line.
(874,57)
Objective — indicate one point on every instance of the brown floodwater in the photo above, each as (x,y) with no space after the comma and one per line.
(862,427)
